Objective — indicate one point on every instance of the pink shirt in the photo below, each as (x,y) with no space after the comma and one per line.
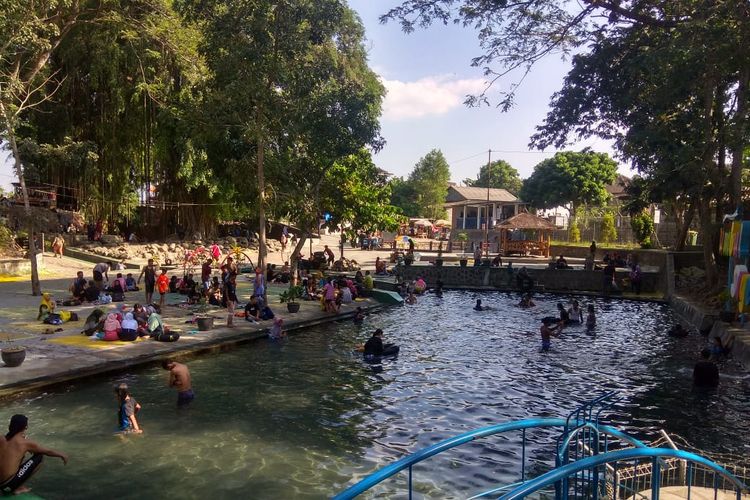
(330,291)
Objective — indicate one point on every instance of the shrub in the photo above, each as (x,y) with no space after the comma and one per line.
(574,233)
(609,231)
(643,226)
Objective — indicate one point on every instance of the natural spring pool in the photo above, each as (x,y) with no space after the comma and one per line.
(302,419)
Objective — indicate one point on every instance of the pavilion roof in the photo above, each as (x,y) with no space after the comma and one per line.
(525,220)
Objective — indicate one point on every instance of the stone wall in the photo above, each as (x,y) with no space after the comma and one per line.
(550,279)
(15,267)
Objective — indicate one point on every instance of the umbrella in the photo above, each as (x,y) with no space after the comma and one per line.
(442,222)
(422,222)
(406,239)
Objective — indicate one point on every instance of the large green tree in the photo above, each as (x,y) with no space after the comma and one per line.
(501,175)
(290,93)
(428,182)
(570,178)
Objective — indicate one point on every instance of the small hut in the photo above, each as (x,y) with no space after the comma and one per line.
(525,234)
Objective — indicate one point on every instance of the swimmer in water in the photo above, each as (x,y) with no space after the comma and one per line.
(564,316)
(359,315)
(677,331)
(179,378)
(548,331)
(411,299)
(591,318)
(480,307)
(575,312)
(128,408)
(526,301)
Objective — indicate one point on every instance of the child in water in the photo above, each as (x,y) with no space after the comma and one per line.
(591,318)
(127,410)
(411,299)
(548,331)
(276,332)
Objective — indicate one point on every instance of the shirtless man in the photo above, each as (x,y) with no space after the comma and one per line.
(15,469)
(179,378)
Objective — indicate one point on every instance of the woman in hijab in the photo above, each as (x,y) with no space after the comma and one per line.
(129,328)
(112,327)
(46,306)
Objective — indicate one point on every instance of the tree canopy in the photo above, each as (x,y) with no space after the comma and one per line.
(422,194)
(574,178)
(501,175)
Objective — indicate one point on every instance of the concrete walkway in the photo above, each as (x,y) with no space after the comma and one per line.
(59,357)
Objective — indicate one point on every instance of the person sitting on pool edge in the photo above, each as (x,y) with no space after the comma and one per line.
(15,470)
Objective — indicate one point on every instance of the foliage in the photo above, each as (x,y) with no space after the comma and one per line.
(291,294)
(501,175)
(643,227)
(571,178)
(7,240)
(356,194)
(423,193)
(404,197)
(609,231)
(574,233)
(665,81)
(462,236)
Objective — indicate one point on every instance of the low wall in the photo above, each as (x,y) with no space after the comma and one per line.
(707,322)
(93,258)
(550,279)
(15,267)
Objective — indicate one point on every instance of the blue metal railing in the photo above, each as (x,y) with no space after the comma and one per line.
(409,461)
(558,474)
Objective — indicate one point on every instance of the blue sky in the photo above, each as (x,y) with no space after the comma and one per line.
(428,73)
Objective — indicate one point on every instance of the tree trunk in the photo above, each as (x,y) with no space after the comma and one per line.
(261,207)
(684,227)
(739,138)
(294,258)
(36,288)
(707,239)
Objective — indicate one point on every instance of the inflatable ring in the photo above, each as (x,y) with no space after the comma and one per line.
(168,262)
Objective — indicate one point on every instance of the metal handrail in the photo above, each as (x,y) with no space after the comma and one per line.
(410,460)
(565,471)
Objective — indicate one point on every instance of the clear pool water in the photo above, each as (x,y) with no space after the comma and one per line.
(302,419)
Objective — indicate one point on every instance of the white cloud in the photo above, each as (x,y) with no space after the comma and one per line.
(430,96)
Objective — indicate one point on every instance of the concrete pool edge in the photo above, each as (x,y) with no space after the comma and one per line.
(222,339)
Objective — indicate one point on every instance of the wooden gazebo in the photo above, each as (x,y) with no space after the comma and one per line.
(535,232)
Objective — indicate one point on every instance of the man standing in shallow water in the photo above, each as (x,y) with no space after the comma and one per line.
(14,470)
(179,378)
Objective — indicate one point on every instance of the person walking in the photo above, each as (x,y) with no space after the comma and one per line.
(150,280)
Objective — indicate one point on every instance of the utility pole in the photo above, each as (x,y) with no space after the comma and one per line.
(487,209)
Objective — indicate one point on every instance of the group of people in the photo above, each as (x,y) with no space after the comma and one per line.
(128,325)
(21,458)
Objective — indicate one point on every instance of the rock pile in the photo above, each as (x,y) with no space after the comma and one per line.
(112,247)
